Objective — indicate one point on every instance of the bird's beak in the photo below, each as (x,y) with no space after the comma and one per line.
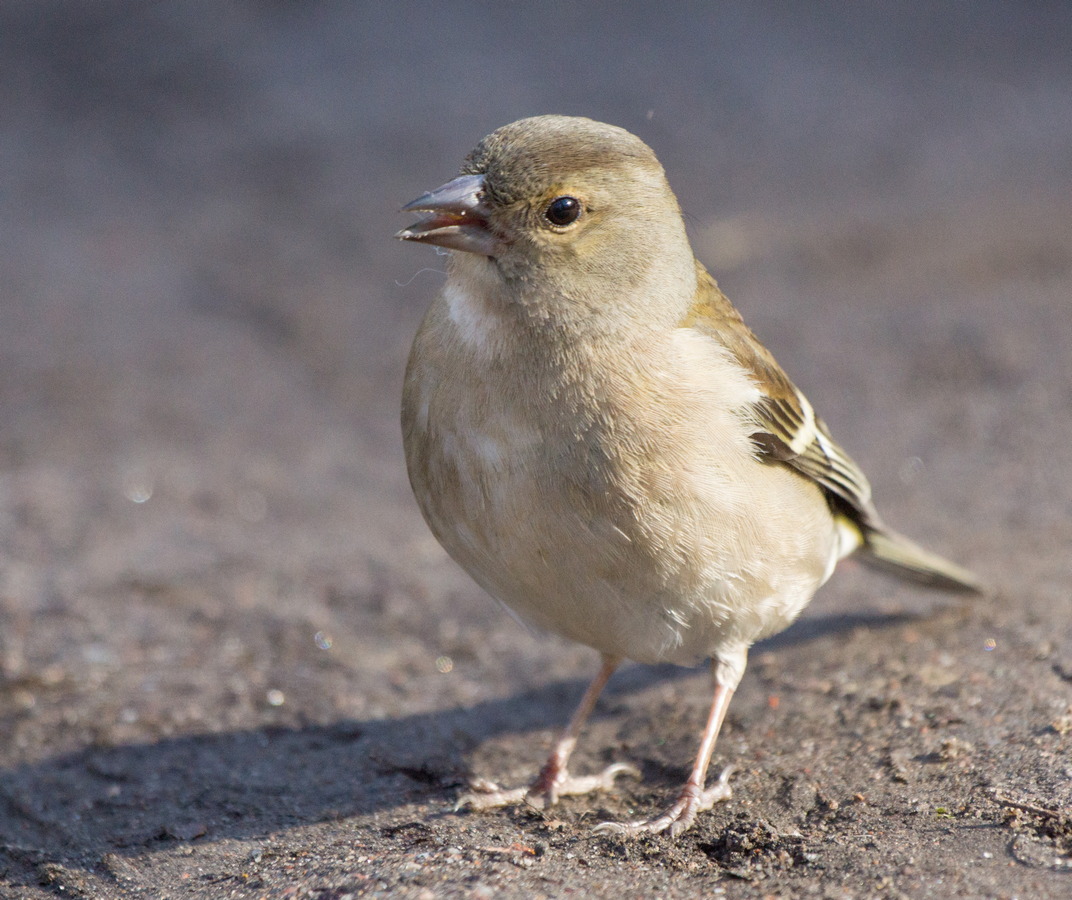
(457,217)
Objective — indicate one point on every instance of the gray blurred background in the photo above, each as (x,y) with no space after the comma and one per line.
(204,520)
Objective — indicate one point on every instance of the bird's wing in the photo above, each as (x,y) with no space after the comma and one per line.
(789,431)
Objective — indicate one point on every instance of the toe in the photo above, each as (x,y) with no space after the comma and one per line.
(577,785)
(545,791)
(679,817)
(490,799)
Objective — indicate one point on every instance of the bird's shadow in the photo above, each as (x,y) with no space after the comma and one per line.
(248,784)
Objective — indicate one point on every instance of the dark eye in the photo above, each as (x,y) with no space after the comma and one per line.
(563,211)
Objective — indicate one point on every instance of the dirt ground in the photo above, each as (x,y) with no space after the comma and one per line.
(234,663)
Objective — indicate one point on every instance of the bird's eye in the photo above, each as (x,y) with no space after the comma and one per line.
(563,211)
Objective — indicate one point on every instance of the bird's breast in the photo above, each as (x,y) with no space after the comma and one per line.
(607,499)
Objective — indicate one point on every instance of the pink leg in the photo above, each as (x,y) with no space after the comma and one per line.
(554,780)
(693,798)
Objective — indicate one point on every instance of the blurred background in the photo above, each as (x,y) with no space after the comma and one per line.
(204,520)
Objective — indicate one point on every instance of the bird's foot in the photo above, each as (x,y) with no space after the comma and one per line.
(566,785)
(544,792)
(679,817)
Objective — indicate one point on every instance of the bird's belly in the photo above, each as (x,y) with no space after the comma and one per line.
(601,551)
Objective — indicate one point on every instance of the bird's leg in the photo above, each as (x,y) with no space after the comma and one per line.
(554,780)
(693,798)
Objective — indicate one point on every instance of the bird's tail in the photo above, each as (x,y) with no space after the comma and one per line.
(896,554)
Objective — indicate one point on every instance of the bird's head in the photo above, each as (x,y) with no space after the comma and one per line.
(564,202)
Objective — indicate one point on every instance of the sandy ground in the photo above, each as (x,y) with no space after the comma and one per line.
(233,663)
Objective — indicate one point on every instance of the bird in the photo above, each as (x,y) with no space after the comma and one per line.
(595,435)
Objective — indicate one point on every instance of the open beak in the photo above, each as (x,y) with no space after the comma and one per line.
(457,217)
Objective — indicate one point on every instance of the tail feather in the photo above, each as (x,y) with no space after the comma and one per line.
(896,554)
